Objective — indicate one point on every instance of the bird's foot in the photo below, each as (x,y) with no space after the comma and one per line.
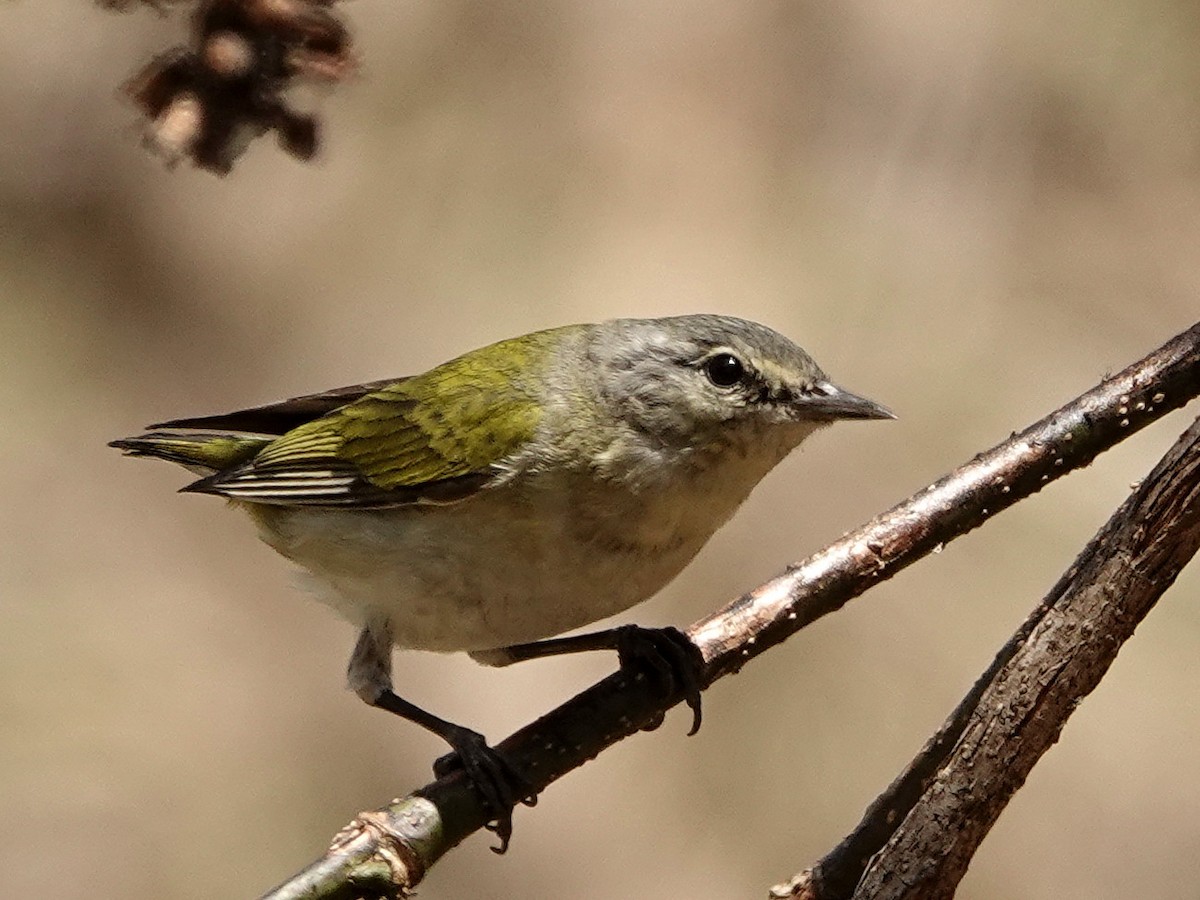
(497,780)
(669,658)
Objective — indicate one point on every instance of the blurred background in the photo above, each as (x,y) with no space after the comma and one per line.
(971,212)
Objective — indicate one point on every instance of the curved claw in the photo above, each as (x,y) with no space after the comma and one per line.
(498,782)
(671,659)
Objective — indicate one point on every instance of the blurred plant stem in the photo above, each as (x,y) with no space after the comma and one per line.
(208,100)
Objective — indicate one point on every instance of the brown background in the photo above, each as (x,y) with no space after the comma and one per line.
(968,211)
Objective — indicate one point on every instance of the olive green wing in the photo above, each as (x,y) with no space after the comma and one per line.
(435,438)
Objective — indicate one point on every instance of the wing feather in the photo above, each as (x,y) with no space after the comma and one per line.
(435,438)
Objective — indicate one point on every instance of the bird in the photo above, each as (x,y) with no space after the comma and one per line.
(519,491)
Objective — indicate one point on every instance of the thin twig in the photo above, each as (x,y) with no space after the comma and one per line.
(411,834)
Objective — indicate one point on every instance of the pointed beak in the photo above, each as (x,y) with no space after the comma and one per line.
(828,402)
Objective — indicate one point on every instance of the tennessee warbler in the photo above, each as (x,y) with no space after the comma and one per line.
(519,491)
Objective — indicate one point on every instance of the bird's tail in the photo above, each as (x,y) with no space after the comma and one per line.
(203,454)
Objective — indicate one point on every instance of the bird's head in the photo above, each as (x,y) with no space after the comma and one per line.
(707,380)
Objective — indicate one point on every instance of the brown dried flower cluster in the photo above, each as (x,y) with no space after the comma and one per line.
(207,101)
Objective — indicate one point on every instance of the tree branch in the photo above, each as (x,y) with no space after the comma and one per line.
(916,839)
(385,853)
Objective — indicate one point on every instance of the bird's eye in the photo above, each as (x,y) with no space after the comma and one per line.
(724,369)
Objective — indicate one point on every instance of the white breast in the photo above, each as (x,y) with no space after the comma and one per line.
(517,563)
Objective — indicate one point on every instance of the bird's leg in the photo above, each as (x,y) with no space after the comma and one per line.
(666,654)
(502,786)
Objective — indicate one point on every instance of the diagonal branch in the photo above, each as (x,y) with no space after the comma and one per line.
(385,853)
(916,839)
(1112,587)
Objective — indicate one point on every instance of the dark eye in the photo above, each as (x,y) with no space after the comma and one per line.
(724,369)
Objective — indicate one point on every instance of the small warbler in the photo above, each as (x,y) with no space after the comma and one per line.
(519,491)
